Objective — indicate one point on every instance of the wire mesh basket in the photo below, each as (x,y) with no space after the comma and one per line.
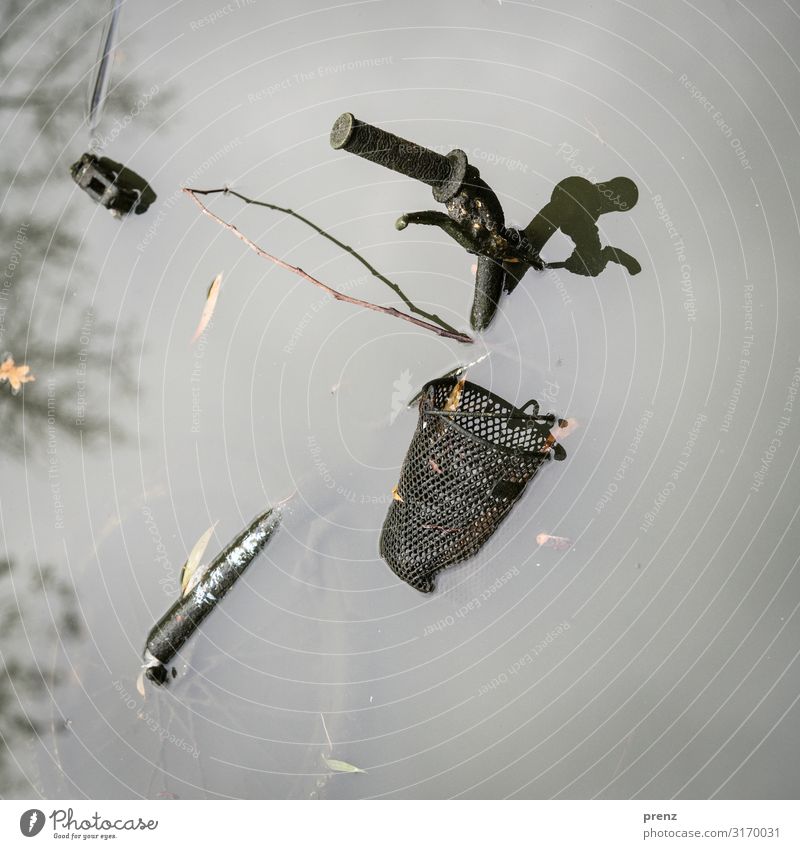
(469,461)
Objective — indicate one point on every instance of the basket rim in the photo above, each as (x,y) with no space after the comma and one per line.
(491,396)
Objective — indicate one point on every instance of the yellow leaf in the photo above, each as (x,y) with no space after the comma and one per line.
(210,306)
(455,397)
(395,494)
(340,766)
(15,375)
(193,561)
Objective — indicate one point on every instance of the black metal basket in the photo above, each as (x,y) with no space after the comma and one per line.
(463,472)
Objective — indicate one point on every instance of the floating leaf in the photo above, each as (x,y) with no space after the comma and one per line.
(15,375)
(189,574)
(558,543)
(454,372)
(210,306)
(340,766)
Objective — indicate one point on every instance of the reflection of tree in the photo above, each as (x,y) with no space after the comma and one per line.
(47,91)
(28,632)
(70,367)
(46,60)
(81,363)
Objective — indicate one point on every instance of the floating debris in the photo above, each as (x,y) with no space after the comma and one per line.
(490,450)
(476,221)
(112,185)
(340,766)
(208,308)
(437,327)
(552,541)
(115,187)
(474,217)
(190,574)
(198,599)
(14,374)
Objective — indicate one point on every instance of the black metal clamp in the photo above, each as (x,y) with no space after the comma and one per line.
(474,218)
(112,185)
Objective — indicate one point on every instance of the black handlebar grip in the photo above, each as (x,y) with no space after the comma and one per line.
(445,174)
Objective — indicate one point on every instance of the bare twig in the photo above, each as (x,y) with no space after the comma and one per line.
(436,319)
(339,296)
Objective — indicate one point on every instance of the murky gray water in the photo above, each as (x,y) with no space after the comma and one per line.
(655,657)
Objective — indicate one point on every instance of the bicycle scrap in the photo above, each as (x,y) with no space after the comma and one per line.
(475,217)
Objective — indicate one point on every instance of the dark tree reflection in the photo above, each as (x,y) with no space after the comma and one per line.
(47,57)
(83,363)
(75,356)
(30,634)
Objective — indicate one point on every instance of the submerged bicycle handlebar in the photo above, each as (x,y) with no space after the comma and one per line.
(444,174)
(474,218)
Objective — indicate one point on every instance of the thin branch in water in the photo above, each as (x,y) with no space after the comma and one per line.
(436,319)
(339,296)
